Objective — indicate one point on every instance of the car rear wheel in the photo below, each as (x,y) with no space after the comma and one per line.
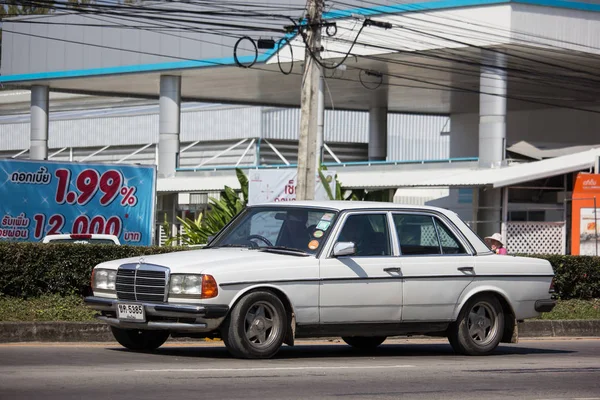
(255,328)
(135,339)
(479,327)
(364,342)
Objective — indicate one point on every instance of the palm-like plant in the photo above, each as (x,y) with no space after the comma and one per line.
(352,195)
(197,231)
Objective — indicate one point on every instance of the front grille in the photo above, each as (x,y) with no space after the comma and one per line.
(141,283)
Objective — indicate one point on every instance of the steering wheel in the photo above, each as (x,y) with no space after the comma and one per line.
(261,238)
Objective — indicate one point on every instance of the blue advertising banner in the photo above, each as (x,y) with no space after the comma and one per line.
(39,198)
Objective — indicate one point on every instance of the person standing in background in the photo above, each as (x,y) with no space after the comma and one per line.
(495,243)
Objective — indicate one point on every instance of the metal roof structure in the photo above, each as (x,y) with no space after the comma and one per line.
(435,174)
(457,175)
(430,60)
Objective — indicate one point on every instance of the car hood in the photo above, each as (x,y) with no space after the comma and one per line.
(215,260)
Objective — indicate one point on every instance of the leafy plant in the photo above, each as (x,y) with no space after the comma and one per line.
(221,212)
(351,195)
(193,232)
(34,269)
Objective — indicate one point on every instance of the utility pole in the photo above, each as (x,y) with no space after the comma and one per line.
(307,146)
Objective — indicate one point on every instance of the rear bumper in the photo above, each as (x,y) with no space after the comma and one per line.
(163,316)
(544,305)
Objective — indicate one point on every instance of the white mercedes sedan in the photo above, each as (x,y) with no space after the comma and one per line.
(362,271)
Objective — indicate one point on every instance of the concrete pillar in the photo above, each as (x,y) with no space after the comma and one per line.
(492,137)
(464,135)
(492,110)
(38,147)
(169,125)
(378,133)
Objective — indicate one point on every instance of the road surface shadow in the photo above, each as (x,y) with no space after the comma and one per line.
(341,351)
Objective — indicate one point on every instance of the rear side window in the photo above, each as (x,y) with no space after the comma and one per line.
(425,235)
(416,234)
(450,243)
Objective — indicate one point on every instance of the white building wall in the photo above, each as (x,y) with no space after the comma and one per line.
(570,29)
(556,127)
(410,137)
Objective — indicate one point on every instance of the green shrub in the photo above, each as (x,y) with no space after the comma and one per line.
(576,277)
(32,269)
(574,309)
(35,269)
(49,307)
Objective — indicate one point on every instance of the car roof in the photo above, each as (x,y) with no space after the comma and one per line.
(68,236)
(341,205)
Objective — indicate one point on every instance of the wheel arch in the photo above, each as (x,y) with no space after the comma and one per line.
(510,334)
(285,300)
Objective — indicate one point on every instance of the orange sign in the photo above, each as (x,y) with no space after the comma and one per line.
(584,221)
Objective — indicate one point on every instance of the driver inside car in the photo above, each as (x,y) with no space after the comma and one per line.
(294,232)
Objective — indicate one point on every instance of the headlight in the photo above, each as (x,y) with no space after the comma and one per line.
(199,286)
(104,279)
(186,284)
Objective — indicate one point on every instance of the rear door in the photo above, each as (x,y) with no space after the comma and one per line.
(436,266)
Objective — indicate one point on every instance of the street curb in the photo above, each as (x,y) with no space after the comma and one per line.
(13,332)
(559,328)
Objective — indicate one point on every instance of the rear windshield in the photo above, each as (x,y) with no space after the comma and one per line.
(82,241)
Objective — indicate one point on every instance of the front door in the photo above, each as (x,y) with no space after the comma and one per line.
(436,267)
(367,286)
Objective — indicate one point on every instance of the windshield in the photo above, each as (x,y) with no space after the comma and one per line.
(293,228)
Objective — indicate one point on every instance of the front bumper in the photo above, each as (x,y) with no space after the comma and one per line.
(544,305)
(163,316)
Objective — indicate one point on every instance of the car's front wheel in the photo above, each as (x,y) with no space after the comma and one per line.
(479,327)
(364,342)
(255,328)
(135,339)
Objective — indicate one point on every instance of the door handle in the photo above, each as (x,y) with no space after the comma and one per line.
(393,269)
(466,269)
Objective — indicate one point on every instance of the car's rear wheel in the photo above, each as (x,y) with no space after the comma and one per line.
(479,327)
(135,339)
(364,342)
(255,328)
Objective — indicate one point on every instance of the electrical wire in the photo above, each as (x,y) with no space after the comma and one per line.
(348,54)
(278,50)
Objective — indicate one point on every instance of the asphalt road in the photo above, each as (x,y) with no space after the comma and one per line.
(400,369)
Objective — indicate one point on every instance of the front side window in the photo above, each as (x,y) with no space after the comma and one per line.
(369,233)
(294,228)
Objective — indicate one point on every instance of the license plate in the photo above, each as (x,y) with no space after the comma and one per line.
(131,312)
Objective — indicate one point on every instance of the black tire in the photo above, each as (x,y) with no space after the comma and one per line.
(139,340)
(256,326)
(479,327)
(364,342)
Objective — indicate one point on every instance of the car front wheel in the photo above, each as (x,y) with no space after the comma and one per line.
(364,342)
(479,327)
(255,328)
(135,339)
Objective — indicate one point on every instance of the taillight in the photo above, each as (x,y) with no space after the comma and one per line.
(551,290)
(210,288)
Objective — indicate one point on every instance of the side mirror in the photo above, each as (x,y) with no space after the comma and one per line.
(344,249)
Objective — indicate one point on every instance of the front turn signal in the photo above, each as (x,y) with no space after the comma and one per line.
(210,288)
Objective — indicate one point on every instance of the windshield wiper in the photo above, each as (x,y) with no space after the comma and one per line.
(285,250)
(242,246)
